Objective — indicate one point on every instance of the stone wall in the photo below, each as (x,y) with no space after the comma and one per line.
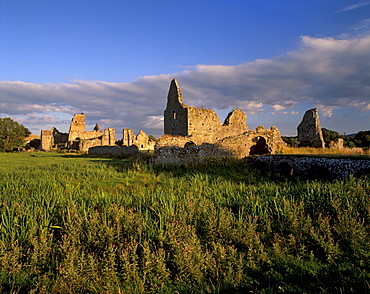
(309,130)
(260,141)
(52,138)
(189,125)
(77,127)
(77,138)
(113,150)
(314,167)
(109,137)
(203,125)
(141,141)
(196,154)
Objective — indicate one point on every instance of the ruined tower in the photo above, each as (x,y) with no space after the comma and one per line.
(77,128)
(309,130)
(128,138)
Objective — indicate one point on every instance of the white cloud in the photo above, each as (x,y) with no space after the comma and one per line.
(333,73)
(326,111)
(362,24)
(354,6)
(278,107)
(360,105)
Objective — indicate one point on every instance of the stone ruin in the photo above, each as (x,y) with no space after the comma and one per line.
(141,140)
(189,133)
(189,127)
(309,130)
(77,138)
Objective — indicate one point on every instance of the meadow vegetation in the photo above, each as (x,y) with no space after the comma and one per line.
(80,224)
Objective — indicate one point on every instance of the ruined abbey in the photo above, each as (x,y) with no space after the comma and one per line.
(79,139)
(185,127)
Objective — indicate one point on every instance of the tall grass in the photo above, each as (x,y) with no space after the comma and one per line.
(321,151)
(72,224)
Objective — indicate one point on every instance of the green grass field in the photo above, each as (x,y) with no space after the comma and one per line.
(78,224)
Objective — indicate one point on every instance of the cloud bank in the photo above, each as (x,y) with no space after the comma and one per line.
(330,73)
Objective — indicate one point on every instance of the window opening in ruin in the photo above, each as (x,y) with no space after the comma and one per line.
(174,114)
(142,146)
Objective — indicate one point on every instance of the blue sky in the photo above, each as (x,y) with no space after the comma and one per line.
(114,60)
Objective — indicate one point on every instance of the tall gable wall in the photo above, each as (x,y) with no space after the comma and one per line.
(176,113)
(186,126)
(202,125)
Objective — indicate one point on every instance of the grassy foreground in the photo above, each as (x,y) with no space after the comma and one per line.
(72,224)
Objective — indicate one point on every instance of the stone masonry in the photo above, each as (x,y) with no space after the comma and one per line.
(189,126)
(313,167)
(141,141)
(309,130)
(203,125)
(77,138)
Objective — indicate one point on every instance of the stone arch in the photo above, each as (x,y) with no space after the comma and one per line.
(284,168)
(260,147)
(190,144)
(362,172)
(319,172)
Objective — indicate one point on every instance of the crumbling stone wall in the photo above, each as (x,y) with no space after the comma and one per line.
(113,150)
(260,141)
(337,143)
(141,141)
(203,125)
(309,130)
(109,137)
(177,155)
(77,127)
(52,138)
(77,138)
(184,125)
(314,167)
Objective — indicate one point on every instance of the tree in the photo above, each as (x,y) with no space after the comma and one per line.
(362,139)
(12,134)
(291,141)
(152,138)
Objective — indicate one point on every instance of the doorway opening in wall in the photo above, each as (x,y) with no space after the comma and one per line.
(260,147)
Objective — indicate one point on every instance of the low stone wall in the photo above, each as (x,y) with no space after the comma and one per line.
(113,150)
(314,167)
(177,155)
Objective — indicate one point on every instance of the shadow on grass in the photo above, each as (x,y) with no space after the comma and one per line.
(227,168)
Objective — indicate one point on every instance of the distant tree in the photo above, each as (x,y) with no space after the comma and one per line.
(329,136)
(12,134)
(362,139)
(291,141)
(152,138)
